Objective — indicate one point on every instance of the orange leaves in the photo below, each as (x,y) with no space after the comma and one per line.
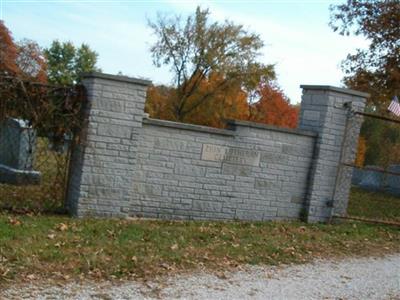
(62,227)
(160,102)
(273,108)
(23,59)
(361,150)
(14,221)
(8,52)
(214,101)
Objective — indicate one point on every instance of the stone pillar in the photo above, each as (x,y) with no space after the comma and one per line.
(326,110)
(103,163)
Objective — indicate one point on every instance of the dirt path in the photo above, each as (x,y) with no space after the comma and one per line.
(364,278)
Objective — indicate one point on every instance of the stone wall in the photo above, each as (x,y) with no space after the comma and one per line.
(251,172)
(326,110)
(129,165)
(103,165)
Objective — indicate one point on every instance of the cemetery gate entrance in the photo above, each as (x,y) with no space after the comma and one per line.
(375,171)
(38,126)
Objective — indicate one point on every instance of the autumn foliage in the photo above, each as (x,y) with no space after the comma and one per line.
(361,149)
(227,103)
(231,102)
(23,60)
(24,93)
(8,52)
(209,96)
(274,108)
(31,62)
(216,70)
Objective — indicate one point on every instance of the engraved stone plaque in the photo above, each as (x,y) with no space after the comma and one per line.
(231,155)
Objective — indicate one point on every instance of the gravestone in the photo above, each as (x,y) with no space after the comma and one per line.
(393,181)
(17,149)
(357,176)
(371,179)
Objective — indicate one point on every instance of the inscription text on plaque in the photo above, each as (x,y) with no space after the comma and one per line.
(233,155)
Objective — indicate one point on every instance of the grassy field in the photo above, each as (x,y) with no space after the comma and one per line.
(61,247)
(374,205)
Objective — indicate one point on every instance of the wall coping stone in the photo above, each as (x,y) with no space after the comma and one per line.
(272,128)
(335,89)
(117,78)
(186,126)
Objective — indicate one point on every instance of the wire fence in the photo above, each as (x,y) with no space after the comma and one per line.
(375,193)
(38,127)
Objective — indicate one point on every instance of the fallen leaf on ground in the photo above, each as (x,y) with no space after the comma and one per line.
(30,276)
(62,227)
(221,275)
(14,221)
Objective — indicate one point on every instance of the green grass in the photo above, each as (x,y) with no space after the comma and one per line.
(59,247)
(374,205)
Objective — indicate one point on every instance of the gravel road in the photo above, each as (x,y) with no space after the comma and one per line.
(362,278)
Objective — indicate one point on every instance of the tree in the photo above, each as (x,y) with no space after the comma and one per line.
(31,61)
(23,59)
(382,139)
(361,150)
(8,52)
(65,62)
(85,60)
(273,107)
(230,103)
(52,111)
(375,70)
(159,102)
(197,49)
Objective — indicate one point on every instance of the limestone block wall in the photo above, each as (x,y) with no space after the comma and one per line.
(103,164)
(130,165)
(326,110)
(251,172)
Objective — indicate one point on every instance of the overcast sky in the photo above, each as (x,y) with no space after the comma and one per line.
(296,34)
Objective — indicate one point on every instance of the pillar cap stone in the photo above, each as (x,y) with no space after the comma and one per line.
(119,78)
(335,89)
